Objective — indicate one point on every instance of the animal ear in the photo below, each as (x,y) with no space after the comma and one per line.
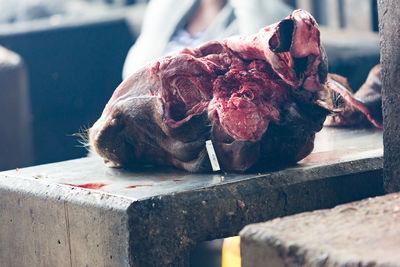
(281,39)
(340,99)
(336,94)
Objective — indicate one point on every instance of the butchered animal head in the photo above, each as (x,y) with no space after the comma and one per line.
(254,96)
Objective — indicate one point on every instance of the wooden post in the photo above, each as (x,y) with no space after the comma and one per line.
(389,28)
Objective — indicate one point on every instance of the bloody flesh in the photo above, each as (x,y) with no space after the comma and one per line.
(88,186)
(255,97)
(139,185)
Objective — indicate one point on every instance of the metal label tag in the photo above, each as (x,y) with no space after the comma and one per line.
(212,156)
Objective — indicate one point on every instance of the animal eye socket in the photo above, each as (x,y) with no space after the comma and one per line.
(247,94)
(282,39)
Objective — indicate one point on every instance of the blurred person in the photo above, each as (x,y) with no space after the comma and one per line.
(170,25)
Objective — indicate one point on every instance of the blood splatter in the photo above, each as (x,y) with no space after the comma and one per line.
(89,185)
(139,185)
(241,204)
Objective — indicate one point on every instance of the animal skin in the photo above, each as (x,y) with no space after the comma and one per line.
(259,98)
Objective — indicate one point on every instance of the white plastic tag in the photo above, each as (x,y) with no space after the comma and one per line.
(212,156)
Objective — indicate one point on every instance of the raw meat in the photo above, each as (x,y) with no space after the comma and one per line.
(257,97)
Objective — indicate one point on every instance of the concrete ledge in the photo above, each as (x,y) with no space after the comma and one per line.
(51,225)
(364,233)
(154,217)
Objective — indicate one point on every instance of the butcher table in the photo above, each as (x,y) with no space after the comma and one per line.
(82,213)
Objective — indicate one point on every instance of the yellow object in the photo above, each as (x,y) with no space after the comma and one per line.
(231,252)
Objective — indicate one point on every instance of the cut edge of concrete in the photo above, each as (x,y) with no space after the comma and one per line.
(352,234)
(47,224)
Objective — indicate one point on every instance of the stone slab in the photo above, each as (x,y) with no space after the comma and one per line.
(364,233)
(155,216)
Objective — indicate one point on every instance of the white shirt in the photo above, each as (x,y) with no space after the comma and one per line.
(164,19)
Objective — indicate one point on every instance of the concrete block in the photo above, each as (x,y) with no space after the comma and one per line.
(364,233)
(389,29)
(52,225)
(154,217)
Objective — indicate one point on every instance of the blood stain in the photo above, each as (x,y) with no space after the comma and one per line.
(89,185)
(139,185)
(176,180)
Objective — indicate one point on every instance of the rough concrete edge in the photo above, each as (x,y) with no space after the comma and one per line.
(323,171)
(89,197)
(71,196)
(159,215)
(302,172)
(274,251)
(311,173)
(389,27)
(281,252)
